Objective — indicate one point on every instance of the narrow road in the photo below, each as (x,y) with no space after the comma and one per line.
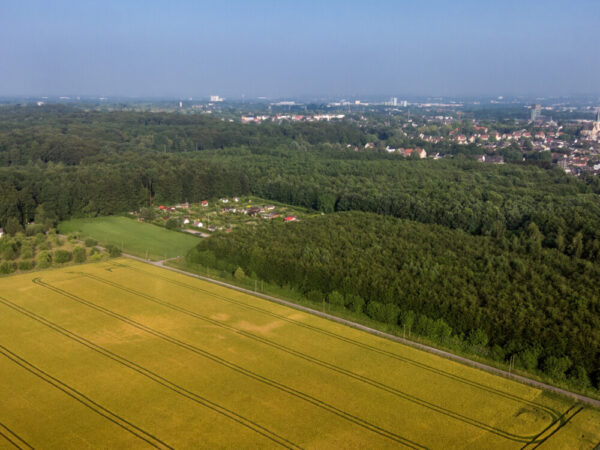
(444,354)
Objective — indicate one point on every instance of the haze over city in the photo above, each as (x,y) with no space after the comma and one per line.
(277,49)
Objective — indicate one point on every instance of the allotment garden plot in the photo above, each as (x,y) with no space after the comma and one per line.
(124,354)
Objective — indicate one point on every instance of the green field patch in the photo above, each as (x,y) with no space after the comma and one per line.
(133,237)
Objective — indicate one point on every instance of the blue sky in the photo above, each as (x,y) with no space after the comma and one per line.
(290,48)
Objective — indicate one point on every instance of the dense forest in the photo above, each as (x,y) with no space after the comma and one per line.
(102,163)
(472,293)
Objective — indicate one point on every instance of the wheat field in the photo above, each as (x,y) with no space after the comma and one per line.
(122,354)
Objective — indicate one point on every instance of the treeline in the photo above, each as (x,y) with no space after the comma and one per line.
(126,184)
(72,136)
(539,306)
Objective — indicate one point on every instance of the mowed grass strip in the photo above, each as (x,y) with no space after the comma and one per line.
(194,334)
(136,238)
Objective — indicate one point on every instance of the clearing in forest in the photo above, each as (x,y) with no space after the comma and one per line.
(124,354)
(133,237)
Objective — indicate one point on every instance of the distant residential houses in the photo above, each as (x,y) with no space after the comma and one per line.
(292,118)
(406,152)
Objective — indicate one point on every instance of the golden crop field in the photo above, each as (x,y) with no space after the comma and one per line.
(122,354)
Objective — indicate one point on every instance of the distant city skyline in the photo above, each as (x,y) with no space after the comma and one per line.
(294,49)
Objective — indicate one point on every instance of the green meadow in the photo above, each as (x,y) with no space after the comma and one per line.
(133,237)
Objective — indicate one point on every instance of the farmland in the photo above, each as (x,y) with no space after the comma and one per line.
(133,237)
(123,354)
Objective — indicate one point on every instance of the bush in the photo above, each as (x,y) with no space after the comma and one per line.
(95,256)
(9,250)
(335,298)
(44,259)
(79,255)
(172,224)
(62,256)
(239,274)
(113,251)
(355,303)
(27,252)
(556,367)
(13,226)
(89,242)
(40,238)
(46,245)
(26,264)
(7,267)
(94,251)
(34,229)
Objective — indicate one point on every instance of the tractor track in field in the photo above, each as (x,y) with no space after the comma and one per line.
(382,386)
(13,438)
(461,359)
(555,414)
(239,369)
(83,399)
(153,376)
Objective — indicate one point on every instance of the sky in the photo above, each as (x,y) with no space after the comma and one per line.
(286,48)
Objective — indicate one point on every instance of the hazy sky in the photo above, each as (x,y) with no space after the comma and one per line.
(289,48)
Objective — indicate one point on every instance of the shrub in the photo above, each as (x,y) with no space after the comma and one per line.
(27,251)
(113,251)
(34,229)
(46,245)
(26,264)
(335,298)
(9,251)
(7,267)
(44,259)
(95,256)
(89,242)
(556,367)
(172,224)
(40,238)
(12,226)
(79,254)
(62,256)
(383,312)
(355,303)
(239,274)
(94,251)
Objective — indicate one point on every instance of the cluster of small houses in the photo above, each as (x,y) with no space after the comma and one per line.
(550,138)
(292,118)
(265,212)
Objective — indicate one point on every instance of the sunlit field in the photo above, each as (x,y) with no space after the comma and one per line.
(122,354)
